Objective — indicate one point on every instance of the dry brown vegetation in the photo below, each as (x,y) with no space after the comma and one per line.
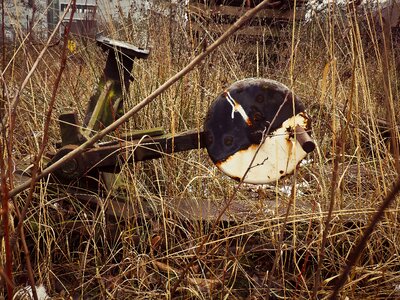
(335,64)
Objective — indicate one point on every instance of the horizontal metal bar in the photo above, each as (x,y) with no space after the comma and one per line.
(109,158)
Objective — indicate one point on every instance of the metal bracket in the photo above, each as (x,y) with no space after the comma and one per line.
(106,102)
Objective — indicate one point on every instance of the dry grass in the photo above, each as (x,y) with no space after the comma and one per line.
(78,249)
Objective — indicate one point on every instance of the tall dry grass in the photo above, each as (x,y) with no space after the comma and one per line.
(79,249)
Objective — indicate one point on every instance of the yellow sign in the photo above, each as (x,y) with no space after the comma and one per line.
(71,46)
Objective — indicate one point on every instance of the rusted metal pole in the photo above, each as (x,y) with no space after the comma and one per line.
(304,139)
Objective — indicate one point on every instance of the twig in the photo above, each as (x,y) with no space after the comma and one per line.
(36,163)
(113,126)
(4,216)
(20,230)
(3,56)
(354,255)
(16,98)
(390,113)
(339,147)
(328,219)
(8,278)
(302,273)
(32,20)
(280,242)
(292,198)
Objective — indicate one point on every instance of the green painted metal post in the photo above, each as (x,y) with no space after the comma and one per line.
(106,102)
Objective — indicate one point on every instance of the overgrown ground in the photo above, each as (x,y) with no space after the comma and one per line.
(335,64)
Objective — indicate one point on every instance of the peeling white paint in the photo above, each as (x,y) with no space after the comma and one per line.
(236,107)
(276,157)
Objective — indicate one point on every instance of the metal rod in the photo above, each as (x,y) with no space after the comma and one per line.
(304,139)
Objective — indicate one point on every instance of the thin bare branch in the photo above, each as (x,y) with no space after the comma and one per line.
(355,254)
(15,101)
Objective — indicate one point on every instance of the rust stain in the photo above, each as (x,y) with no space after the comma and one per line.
(237,109)
(221,162)
(307,120)
(238,179)
(290,132)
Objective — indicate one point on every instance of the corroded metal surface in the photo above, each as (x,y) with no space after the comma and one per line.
(251,131)
(108,157)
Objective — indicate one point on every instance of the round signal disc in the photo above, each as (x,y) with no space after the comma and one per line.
(250,131)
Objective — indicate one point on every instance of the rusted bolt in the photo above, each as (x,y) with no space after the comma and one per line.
(73,168)
(257,116)
(70,167)
(260,98)
(228,140)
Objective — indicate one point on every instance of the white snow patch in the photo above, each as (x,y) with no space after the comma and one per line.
(287,189)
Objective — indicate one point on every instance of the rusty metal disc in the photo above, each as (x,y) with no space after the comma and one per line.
(251,131)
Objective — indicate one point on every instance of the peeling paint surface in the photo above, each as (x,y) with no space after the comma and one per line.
(277,156)
(236,124)
(236,107)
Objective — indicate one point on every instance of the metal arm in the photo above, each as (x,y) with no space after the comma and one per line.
(106,103)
